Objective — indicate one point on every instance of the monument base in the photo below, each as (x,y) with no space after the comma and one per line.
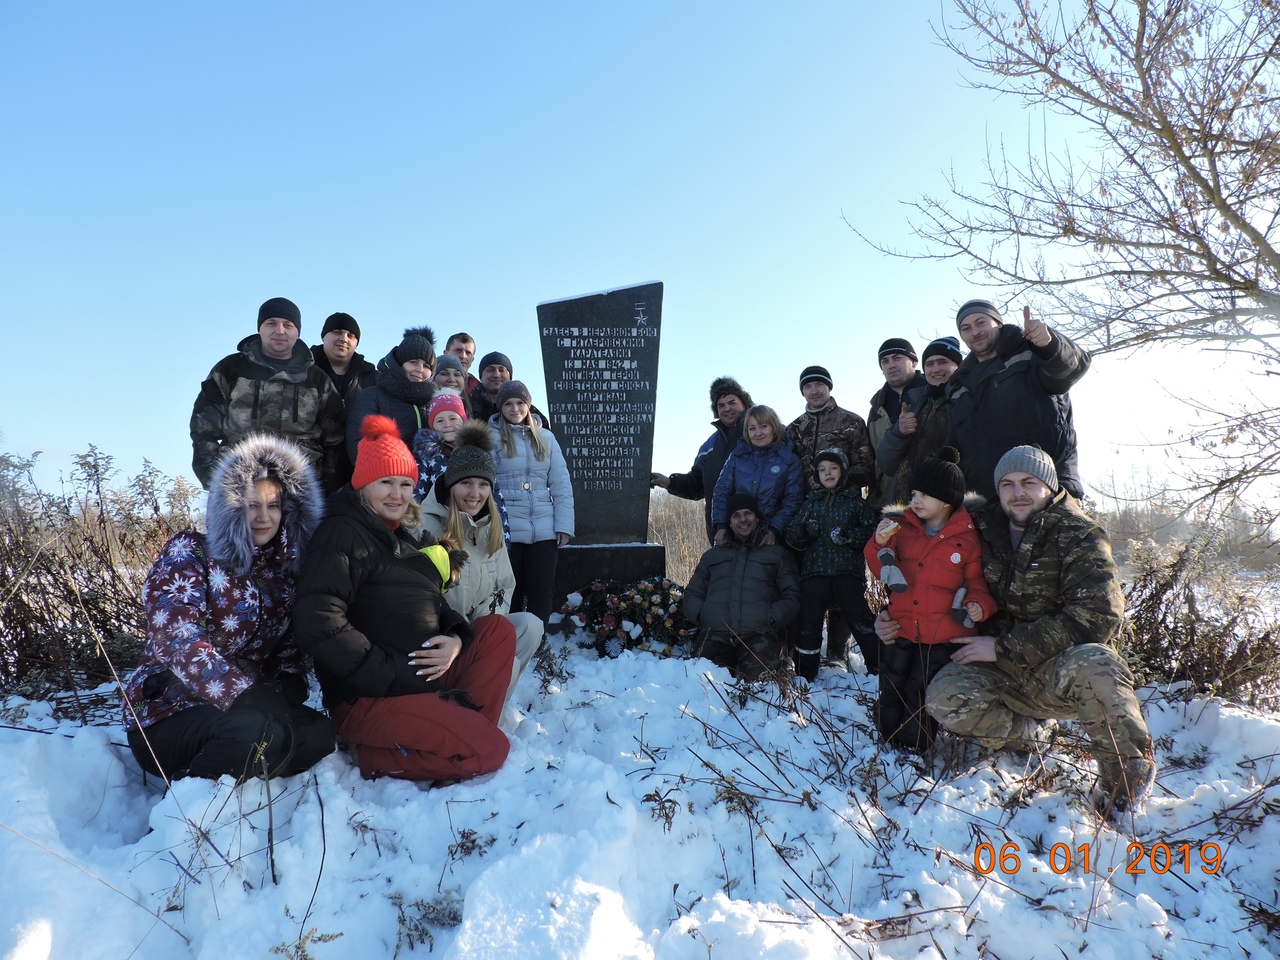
(579,564)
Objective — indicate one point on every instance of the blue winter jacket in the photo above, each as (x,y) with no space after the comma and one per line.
(538,493)
(772,474)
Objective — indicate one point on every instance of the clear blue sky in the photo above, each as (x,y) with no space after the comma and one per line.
(167,167)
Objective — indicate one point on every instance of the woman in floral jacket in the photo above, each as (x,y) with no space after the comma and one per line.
(221,687)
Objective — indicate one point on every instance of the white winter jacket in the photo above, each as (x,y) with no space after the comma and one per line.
(538,493)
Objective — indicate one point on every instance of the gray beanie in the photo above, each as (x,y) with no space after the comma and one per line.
(447,361)
(1028,459)
(985,307)
(513,389)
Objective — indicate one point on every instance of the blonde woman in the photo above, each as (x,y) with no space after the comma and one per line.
(765,465)
(409,682)
(538,493)
(462,513)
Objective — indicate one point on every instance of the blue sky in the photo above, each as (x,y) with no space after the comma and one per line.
(167,167)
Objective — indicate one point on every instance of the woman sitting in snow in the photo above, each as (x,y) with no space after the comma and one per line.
(221,688)
(414,688)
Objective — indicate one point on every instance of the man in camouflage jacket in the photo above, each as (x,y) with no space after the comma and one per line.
(825,425)
(1050,651)
(270,385)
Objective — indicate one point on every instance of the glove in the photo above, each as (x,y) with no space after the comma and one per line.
(811,528)
(840,536)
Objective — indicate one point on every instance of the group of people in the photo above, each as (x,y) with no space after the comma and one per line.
(959,492)
(421,586)
(418,588)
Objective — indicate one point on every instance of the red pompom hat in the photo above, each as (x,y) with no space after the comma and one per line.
(381,453)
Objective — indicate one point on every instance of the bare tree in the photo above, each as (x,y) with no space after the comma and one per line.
(1162,225)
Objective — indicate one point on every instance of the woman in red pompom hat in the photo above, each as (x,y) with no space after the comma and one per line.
(410,685)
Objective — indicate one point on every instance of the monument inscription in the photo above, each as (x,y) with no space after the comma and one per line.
(600,359)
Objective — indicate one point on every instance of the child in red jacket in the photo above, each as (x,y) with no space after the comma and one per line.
(937,594)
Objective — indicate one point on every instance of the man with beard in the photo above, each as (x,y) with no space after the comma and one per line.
(1049,653)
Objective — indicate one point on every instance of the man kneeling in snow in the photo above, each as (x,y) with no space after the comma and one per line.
(742,596)
(1051,654)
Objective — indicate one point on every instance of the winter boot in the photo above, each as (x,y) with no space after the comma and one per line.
(1124,784)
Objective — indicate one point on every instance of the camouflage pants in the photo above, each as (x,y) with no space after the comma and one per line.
(1089,683)
(752,656)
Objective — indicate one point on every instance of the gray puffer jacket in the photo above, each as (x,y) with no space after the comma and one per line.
(538,493)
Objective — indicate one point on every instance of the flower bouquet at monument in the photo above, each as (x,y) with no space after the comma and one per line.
(645,615)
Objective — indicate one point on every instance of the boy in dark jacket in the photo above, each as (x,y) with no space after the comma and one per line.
(829,530)
(943,596)
(742,596)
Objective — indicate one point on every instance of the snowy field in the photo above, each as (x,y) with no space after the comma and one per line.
(650,808)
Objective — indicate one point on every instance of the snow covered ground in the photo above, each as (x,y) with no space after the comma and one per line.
(650,808)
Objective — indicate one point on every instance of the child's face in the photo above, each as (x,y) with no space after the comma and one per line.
(829,474)
(929,509)
(446,424)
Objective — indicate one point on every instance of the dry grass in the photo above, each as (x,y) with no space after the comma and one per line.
(71,570)
(680,526)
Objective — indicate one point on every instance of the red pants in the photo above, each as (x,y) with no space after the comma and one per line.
(424,736)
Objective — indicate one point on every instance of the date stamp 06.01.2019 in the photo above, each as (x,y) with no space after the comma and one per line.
(1062,858)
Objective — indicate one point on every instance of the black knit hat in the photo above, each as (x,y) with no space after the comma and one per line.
(810,374)
(282,308)
(948,347)
(494,358)
(979,306)
(836,456)
(723,386)
(340,321)
(741,501)
(419,343)
(897,345)
(940,477)
(513,389)
(472,457)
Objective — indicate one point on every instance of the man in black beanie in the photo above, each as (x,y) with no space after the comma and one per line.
(350,371)
(1012,389)
(898,365)
(271,385)
(824,425)
(743,596)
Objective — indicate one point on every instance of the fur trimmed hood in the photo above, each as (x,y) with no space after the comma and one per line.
(973,501)
(257,457)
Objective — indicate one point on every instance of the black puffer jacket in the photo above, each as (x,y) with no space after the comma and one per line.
(1018,396)
(743,588)
(396,396)
(367,598)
